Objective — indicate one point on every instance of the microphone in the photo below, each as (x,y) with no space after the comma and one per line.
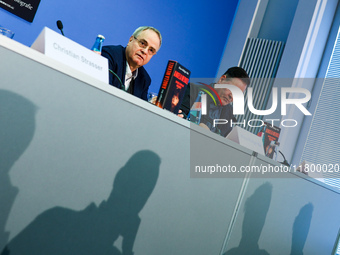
(120,81)
(60,26)
(285,162)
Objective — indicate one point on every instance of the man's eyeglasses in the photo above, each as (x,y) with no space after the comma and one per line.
(144,44)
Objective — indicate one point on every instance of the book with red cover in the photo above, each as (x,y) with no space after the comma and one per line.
(270,136)
(174,84)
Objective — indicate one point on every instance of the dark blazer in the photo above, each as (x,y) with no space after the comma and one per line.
(117,63)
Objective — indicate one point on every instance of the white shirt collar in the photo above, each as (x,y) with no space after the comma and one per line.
(129,74)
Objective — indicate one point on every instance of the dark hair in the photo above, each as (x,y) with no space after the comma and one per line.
(176,92)
(237,72)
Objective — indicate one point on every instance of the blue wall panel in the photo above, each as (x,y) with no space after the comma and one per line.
(194,32)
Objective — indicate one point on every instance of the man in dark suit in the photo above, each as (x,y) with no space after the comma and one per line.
(126,63)
(219,100)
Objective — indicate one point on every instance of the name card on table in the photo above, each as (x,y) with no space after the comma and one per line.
(246,139)
(70,53)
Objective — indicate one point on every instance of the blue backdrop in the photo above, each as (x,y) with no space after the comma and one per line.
(194,32)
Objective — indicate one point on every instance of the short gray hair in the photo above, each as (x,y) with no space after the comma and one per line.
(143,28)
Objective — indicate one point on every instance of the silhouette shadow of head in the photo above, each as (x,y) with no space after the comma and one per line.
(94,229)
(256,209)
(135,182)
(17,125)
(301,228)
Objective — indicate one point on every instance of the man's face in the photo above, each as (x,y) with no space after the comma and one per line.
(135,54)
(225,94)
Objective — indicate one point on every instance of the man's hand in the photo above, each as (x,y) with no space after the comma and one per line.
(153,100)
(203,126)
(180,114)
